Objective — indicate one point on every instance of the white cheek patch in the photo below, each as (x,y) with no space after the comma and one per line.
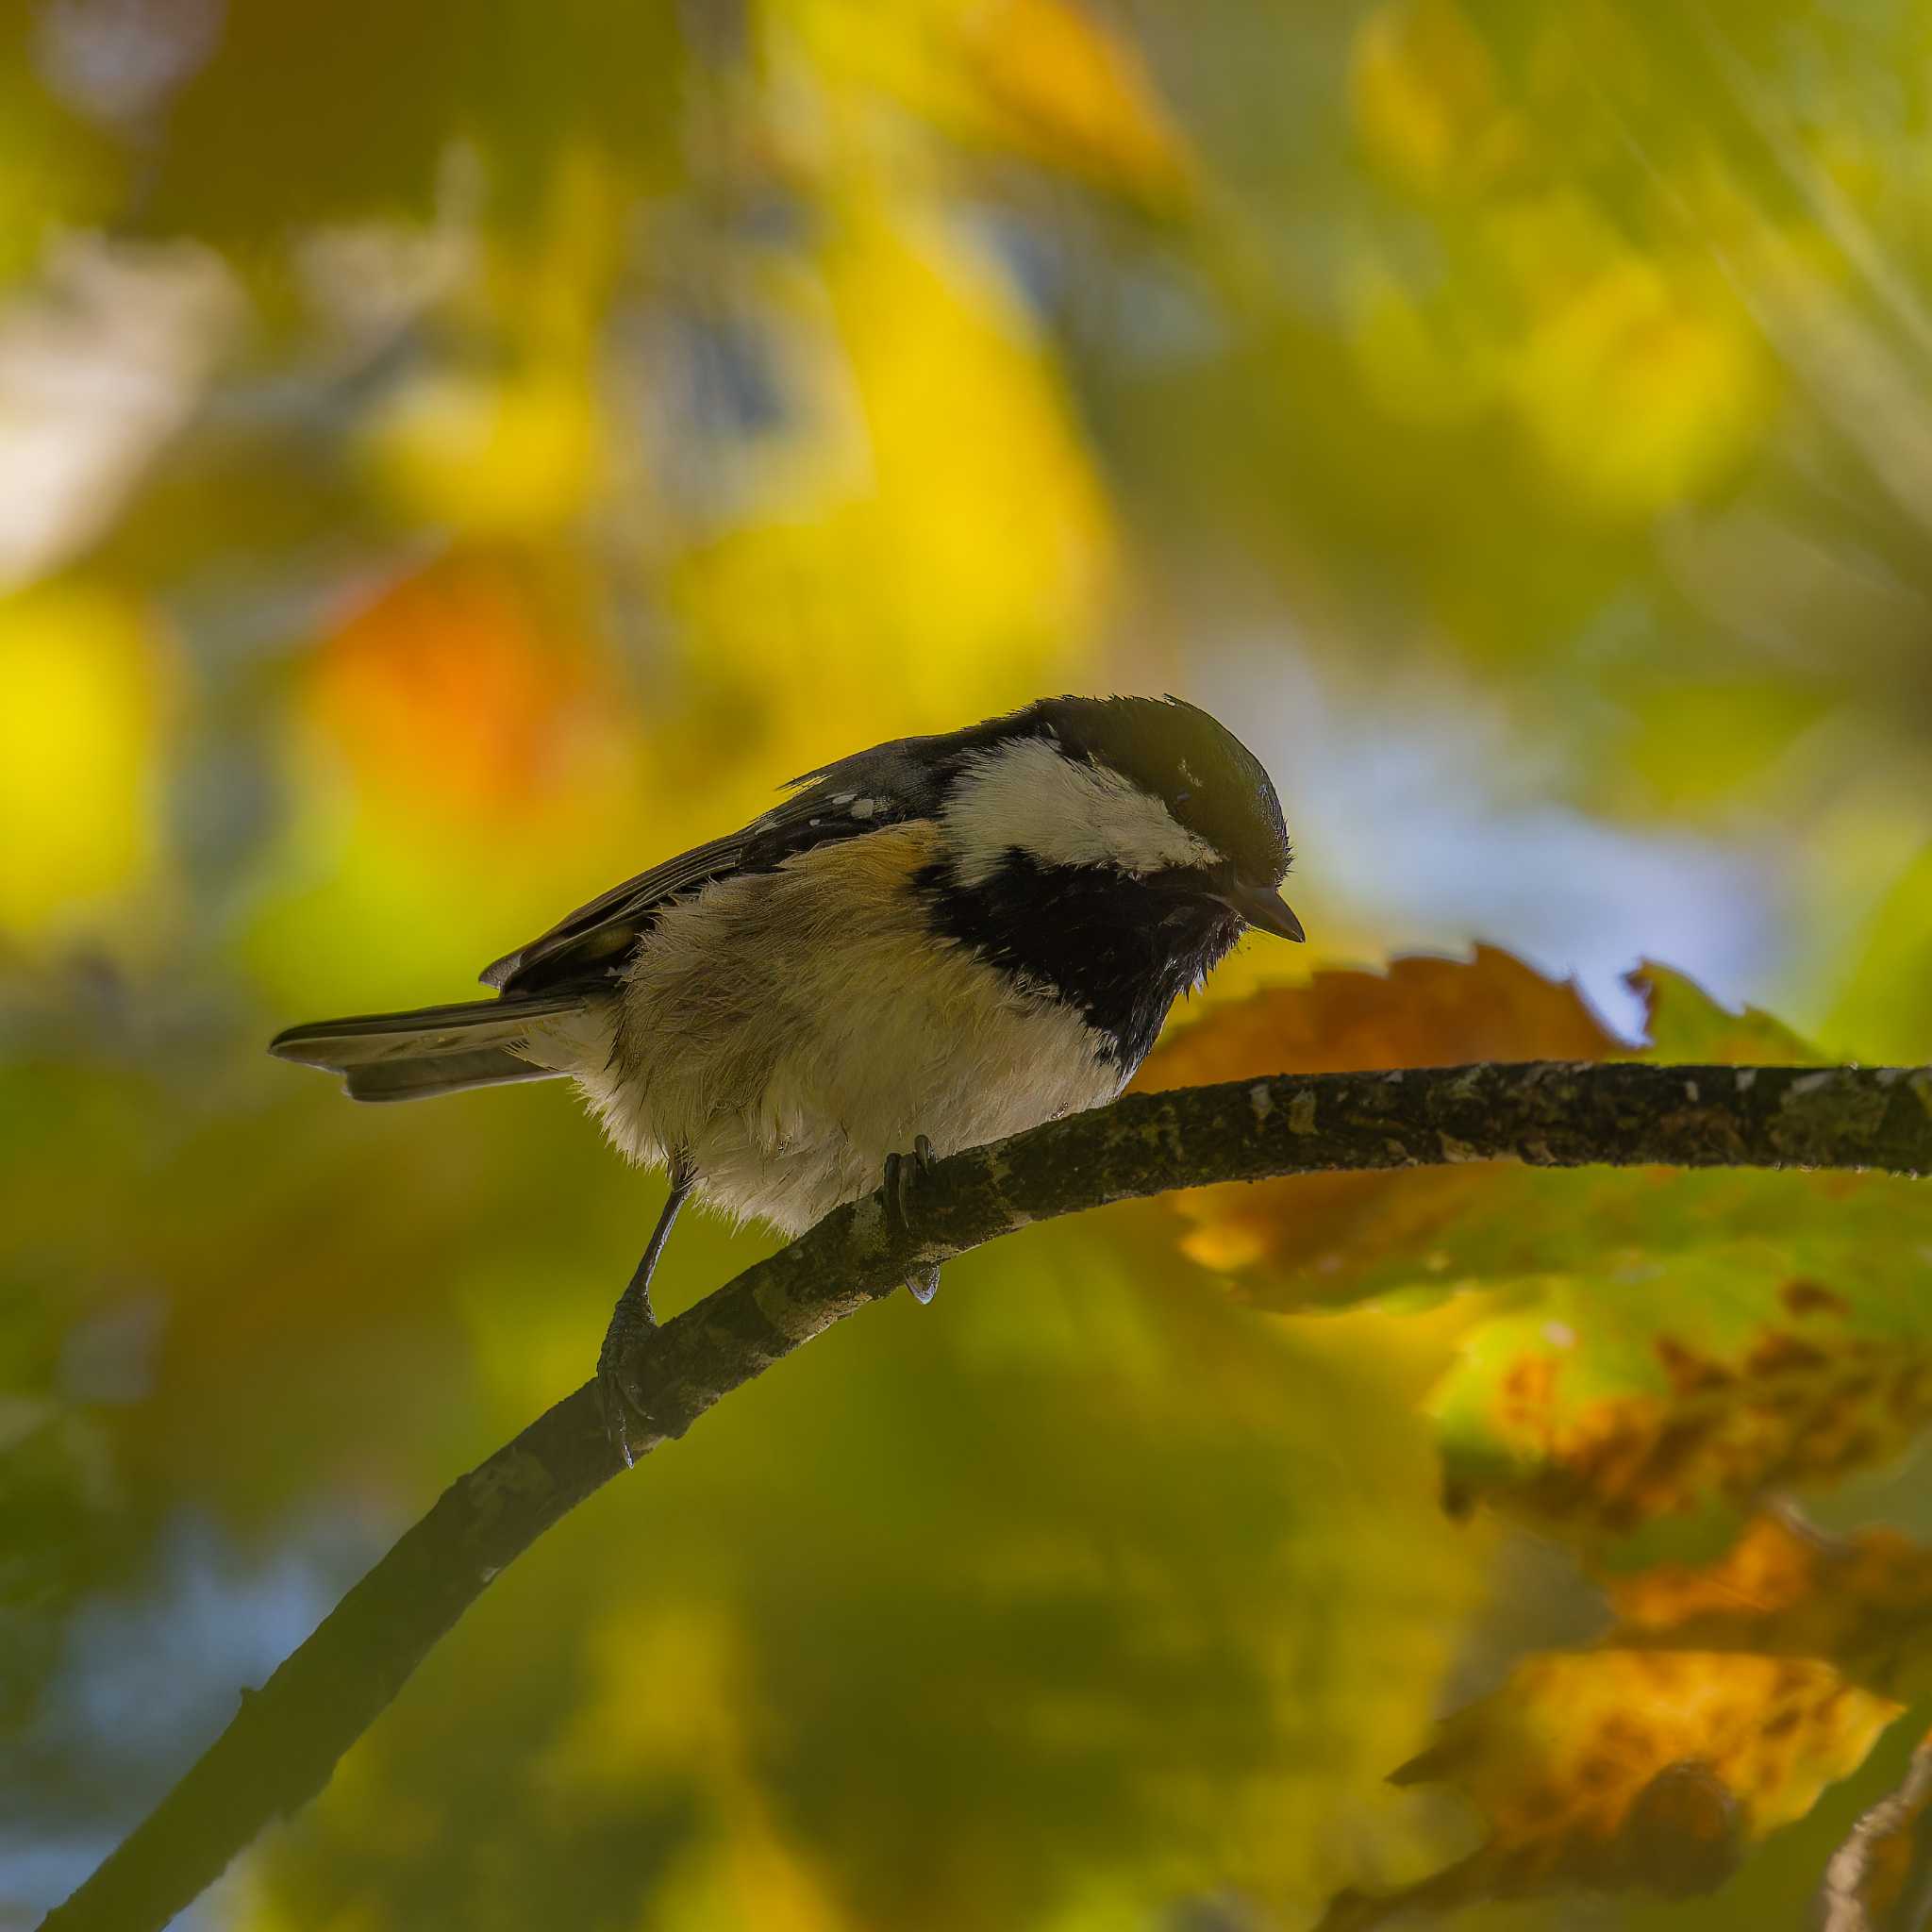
(1029,795)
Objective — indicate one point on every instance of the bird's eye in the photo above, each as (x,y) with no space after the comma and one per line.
(1182,797)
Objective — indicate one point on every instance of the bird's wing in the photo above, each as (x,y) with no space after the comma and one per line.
(596,937)
(846,800)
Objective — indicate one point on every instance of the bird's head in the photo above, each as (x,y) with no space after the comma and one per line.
(1147,789)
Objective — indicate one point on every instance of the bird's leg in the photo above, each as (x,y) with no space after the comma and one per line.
(633,1316)
(903,1174)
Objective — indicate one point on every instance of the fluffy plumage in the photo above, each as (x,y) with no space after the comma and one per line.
(788,1031)
(955,936)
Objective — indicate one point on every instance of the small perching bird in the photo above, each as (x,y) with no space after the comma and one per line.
(929,945)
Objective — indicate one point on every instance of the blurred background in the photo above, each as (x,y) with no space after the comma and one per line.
(451,458)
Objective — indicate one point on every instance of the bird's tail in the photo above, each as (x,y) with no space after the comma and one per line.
(438,1049)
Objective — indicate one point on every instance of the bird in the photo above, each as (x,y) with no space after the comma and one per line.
(925,946)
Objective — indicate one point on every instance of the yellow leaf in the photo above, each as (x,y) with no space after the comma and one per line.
(1414,370)
(86,681)
(923,538)
(1647,386)
(510,443)
(1427,98)
(491,455)
(1047,79)
(1615,1769)
(1725,1700)
(1073,92)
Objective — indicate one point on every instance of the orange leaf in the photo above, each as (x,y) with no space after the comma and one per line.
(457,689)
(1317,1239)
(1862,1602)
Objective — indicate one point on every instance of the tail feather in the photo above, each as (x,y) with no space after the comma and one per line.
(446,1073)
(431,1050)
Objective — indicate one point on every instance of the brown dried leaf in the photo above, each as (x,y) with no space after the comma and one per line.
(1326,1239)
(1646,1415)
(1424,1011)
(1619,1769)
(1727,1698)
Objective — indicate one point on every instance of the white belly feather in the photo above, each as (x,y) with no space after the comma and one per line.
(789,1030)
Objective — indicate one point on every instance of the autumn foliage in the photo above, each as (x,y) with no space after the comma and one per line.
(453,458)
(1642,1363)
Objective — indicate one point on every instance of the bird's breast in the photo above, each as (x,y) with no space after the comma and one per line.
(796,1028)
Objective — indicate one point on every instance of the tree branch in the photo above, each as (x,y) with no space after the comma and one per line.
(283,1745)
(1880,1879)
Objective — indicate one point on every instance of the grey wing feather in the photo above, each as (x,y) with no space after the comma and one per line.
(856,795)
(598,935)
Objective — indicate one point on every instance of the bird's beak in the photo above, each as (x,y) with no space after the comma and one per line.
(1264,908)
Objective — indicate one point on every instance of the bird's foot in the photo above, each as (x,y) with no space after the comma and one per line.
(624,1406)
(633,1318)
(903,1172)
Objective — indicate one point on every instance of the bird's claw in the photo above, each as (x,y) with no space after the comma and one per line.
(633,1318)
(903,1175)
(903,1172)
(618,1393)
(618,1408)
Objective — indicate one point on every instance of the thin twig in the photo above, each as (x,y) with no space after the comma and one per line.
(285,1740)
(1880,1879)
